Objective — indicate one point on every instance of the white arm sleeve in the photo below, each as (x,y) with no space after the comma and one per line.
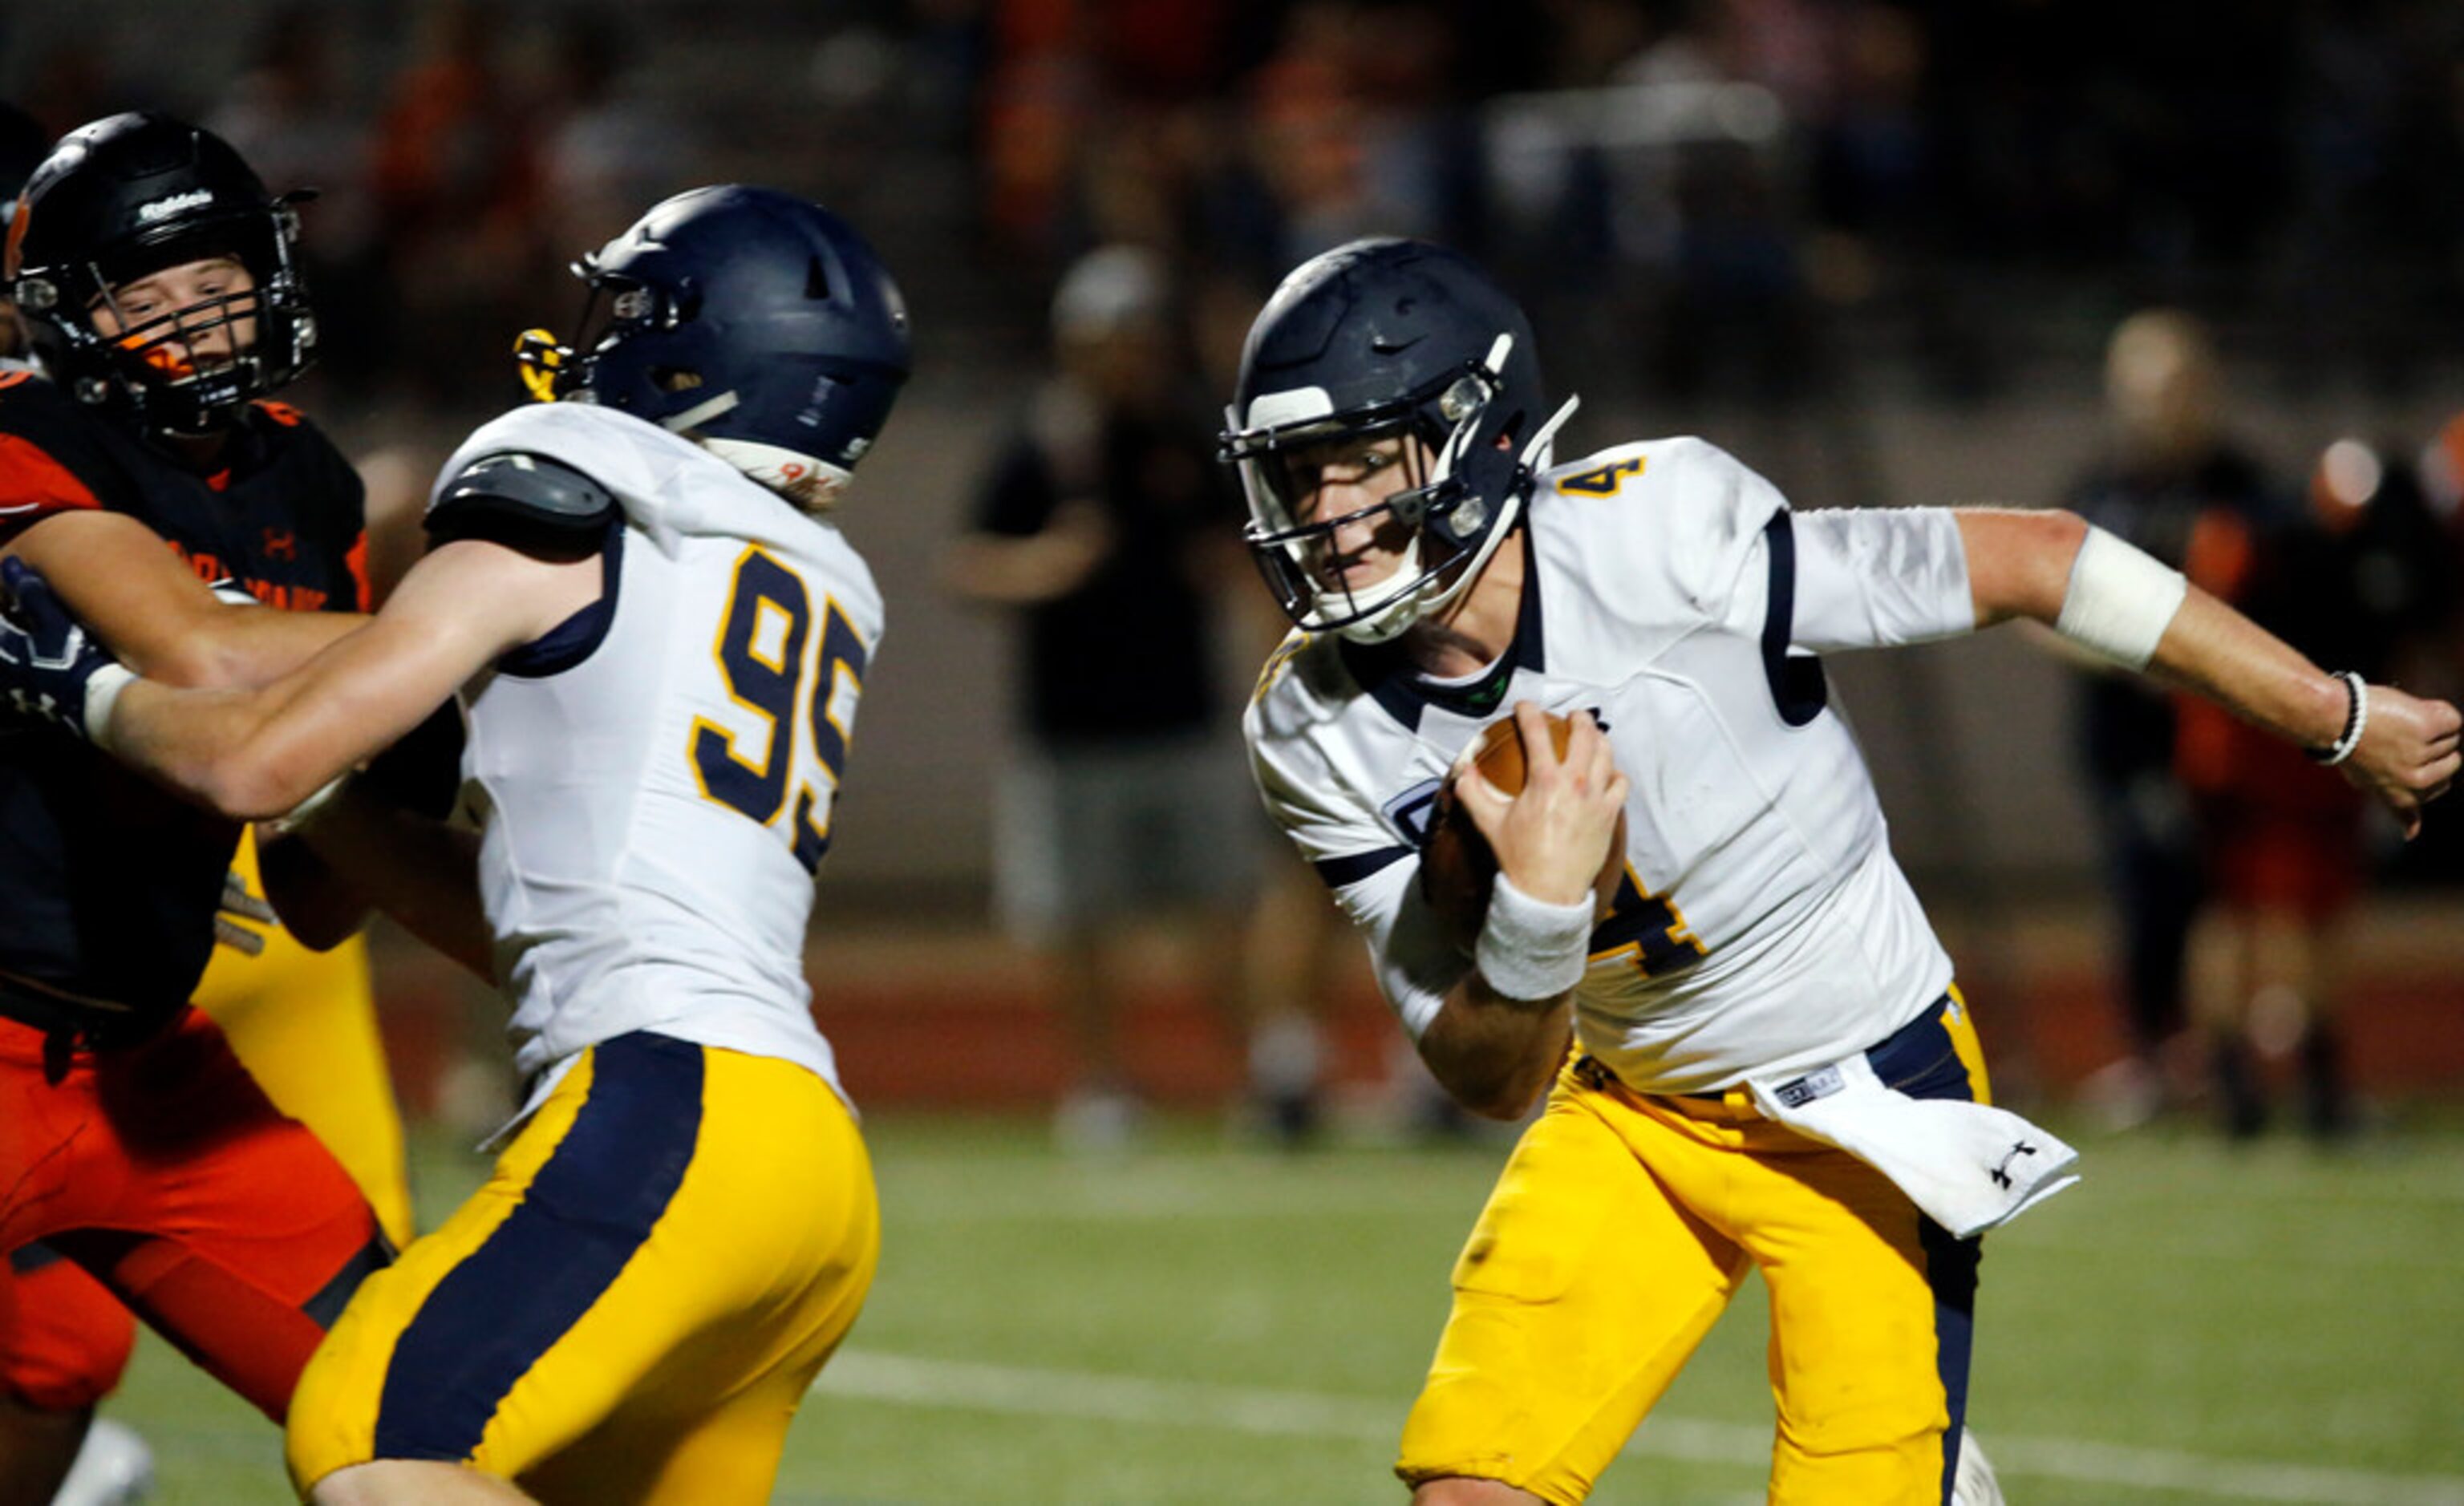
(1871,577)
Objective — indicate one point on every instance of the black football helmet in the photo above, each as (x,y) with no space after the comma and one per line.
(130,195)
(1374,338)
(754,321)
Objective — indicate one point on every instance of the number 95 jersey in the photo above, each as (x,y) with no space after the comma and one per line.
(656,774)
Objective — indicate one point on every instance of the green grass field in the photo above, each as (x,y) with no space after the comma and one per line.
(1198,1323)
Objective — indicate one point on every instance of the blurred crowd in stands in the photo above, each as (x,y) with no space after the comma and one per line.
(1715,173)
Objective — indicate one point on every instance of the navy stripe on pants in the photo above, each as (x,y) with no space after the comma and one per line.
(584,1215)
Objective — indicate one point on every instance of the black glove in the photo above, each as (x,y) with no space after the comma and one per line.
(51,669)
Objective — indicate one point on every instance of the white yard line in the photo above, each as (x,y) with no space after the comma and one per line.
(1021,1391)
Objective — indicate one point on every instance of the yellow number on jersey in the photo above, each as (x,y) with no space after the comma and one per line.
(1604,481)
(765,674)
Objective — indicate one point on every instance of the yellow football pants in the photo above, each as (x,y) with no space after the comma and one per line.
(1616,1237)
(631,1307)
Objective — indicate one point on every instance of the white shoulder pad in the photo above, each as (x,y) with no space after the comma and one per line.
(669,487)
(1603,473)
(1301,788)
(1304,683)
(1660,528)
(1294,727)
(606,445)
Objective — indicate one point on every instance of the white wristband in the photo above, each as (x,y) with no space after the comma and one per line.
(102,691)
(1530,948)
(2120,599)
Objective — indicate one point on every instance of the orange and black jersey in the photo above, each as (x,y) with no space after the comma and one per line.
(108,886)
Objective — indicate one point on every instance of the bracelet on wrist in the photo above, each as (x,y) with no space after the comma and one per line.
(2357,720)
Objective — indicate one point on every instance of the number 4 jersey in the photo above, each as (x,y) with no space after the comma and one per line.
(655,777)
(1762,924)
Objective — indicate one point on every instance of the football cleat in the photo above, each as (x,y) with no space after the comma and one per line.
(1972,1483)
(113,1467)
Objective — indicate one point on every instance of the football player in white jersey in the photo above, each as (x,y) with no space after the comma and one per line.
(1754,1054)
(658,640)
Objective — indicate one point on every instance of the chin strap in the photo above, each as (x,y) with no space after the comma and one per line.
(1534,458)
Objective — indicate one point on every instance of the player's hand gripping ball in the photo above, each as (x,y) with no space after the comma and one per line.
(1457,867)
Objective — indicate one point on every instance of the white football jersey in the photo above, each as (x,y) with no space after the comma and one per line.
(1762,924)
(656,779)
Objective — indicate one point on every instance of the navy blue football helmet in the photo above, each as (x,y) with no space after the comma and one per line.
(1376,338)
(127,196)
(751,321)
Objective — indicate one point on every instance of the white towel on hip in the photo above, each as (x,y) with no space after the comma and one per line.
(1969,1167)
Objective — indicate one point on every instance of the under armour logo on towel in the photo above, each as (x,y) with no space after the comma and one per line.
(2002,1174)
(1821,1082)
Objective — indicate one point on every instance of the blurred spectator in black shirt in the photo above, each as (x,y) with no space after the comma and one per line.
(1108,528)
(2169,464)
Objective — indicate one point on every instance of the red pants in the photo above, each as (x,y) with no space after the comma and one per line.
(64,1339)
(162,1171)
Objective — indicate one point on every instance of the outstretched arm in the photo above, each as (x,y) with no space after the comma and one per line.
(2049,566)
(313,891)
(153,613)
(259,753)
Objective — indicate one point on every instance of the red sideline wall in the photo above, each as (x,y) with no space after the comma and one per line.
(958,1018)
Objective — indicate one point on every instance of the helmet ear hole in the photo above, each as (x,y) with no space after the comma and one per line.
(817,279)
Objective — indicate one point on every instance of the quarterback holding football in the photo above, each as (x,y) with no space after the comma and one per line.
(1754,1054)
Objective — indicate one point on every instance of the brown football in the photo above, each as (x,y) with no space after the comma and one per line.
(1456,868)
(1499,752)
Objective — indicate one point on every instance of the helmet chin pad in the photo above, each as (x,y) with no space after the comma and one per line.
(1436,589)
